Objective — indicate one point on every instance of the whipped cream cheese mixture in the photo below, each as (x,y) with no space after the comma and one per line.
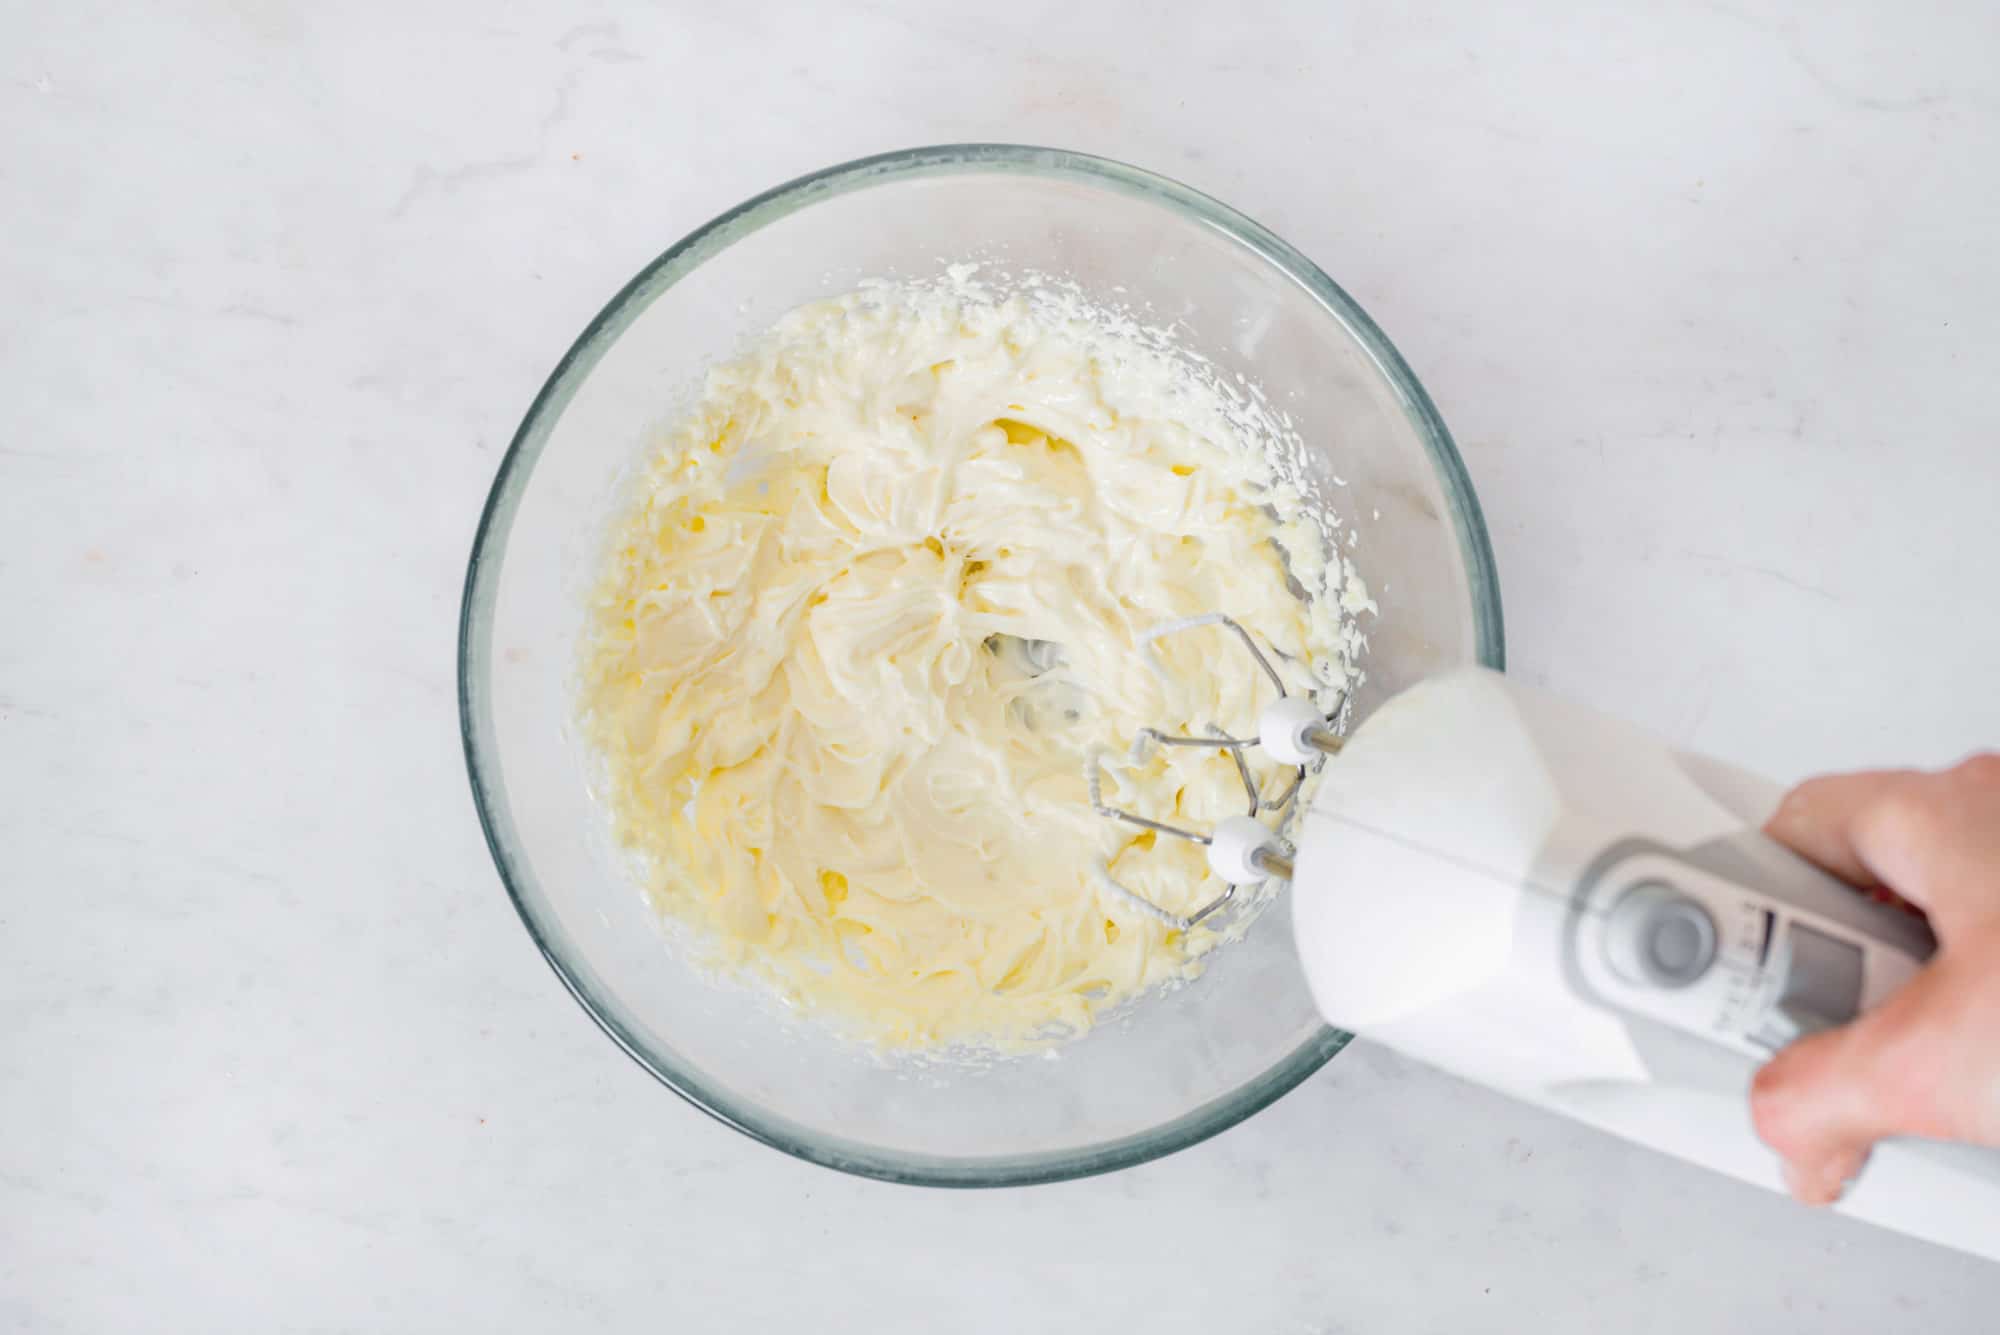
(877,597)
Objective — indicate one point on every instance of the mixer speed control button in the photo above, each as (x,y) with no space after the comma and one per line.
(1657,935)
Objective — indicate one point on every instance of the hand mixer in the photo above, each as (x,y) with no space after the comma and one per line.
(1555,904)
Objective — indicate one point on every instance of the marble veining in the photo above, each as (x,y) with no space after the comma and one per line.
(1706,292)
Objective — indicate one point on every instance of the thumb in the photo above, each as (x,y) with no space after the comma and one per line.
(1819,1104)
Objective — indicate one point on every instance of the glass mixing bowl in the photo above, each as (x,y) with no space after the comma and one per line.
(1177,1067)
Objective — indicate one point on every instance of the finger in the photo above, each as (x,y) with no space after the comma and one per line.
(1820,1104)
(1949,829)
(1826,1180)
(1840,822)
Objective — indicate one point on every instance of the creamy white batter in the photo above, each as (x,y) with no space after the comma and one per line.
(878,597)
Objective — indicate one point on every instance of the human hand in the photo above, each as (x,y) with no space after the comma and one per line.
(1926,1062)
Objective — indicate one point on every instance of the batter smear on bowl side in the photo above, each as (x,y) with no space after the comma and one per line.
(875,599)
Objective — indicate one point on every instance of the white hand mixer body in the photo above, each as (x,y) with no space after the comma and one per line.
(1553,903)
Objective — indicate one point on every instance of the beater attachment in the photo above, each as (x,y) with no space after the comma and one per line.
(1242,850)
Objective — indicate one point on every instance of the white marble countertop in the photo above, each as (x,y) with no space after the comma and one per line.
(1709,296)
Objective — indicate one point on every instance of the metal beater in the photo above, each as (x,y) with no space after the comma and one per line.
(1242,850)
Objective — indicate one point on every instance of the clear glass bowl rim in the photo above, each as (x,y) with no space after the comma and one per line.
(495,522)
